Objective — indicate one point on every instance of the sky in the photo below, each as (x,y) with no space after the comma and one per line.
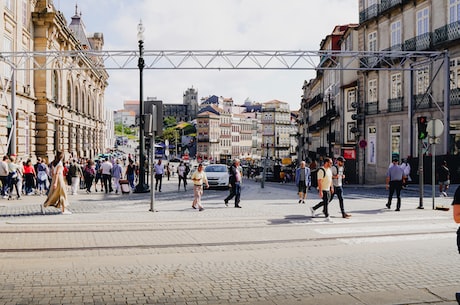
(211,25)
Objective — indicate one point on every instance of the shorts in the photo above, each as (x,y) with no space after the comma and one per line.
(302,187)
(447,182)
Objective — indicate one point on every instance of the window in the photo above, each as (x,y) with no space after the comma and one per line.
(372,41)
(55,88)
(69,95)
(396,85)
(372,93)
(396,34)
(455,73)
(454,11)
(351,98)
(422,80)
(25,14)
(395,142)
(423,24)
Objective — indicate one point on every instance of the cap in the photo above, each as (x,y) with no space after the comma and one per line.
(342,159)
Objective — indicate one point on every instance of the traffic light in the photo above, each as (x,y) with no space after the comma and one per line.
(421,124)
(358,117)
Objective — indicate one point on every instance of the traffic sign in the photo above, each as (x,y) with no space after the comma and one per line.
(435,128)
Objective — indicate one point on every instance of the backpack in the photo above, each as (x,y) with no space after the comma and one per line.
(314,176)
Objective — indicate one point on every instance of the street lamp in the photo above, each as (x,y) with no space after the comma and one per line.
(141,187)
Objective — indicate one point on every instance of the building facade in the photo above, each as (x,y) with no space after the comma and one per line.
(60,107)
(391,99)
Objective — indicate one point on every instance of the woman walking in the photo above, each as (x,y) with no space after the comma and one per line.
(57,195)
(198,178)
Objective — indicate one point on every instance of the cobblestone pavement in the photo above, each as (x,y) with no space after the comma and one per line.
(112,250)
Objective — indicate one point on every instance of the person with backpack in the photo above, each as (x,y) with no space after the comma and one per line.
(302,180)
(325,188)
(89,174)
(337,181)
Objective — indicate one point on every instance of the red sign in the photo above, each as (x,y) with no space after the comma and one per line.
(349,154)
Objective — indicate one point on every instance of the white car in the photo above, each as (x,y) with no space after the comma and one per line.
(217,175)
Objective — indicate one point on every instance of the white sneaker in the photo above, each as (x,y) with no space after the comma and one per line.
(312,212)
(444,194)
(66,212)
(328,219)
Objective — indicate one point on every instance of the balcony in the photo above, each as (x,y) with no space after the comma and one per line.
(422,101)
(455,96)
(419,43)
(395,104)
(371,108)
(447,33)
(369,13)
(316,100)
(386,5)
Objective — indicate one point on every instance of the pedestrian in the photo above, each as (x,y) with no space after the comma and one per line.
(42,177)
(98,176)
(89,174)
(159,172)
(444,179)
(394,182)
(130,173)
(57,195)
(235,184)
(168,171)
(325,188)
(338,176)
(117,173)
(4,176)
(302,180)
(199,178)
(106,171)
(75,173)
(181,173)
(14,175)
(456,208)
(406,168)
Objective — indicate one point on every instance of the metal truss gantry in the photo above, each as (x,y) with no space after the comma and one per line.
(222,59)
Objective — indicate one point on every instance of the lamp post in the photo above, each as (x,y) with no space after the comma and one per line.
(141,187)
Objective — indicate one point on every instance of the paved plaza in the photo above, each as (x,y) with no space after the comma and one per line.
(113,250)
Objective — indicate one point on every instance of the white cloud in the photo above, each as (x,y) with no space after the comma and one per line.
(212,25)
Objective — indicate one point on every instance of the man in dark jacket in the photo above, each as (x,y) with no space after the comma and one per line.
(235,183)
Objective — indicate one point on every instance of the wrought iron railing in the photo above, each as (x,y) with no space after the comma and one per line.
(455,96)
(395,104)
(419,43)
(371,108)
(447,33)
(422,101)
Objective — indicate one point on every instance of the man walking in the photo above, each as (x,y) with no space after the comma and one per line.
(302,180)
(235,184)
(117,174)
(325,188)
(337,182)
(106,170)
(159,172)
(4,176)
(75,173)
(394,182)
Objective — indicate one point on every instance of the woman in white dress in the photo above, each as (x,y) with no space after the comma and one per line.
(57,195)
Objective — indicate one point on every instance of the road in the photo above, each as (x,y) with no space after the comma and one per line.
(112,250)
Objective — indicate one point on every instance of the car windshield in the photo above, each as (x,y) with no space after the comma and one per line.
(215,169)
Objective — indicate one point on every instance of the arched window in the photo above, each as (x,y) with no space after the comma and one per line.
(55,87)
(69,95)
(77,103)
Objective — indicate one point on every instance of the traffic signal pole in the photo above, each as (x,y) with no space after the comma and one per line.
(422,134)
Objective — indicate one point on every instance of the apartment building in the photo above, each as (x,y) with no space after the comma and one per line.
(393,99)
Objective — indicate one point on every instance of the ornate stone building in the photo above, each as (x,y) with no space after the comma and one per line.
(69,103)
(60,107)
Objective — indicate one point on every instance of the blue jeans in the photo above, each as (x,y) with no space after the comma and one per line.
(235,191)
